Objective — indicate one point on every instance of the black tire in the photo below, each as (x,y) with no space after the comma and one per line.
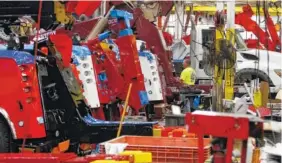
(5,137)
(249,74)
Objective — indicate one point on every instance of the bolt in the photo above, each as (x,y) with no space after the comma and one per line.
(193,120)
(236,125)
(57,133)
(21,123)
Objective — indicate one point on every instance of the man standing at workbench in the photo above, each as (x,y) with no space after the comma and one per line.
(188,75)
(187,78)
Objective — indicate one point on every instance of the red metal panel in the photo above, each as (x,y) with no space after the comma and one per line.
(114,72)
(82,7)
(13,99)
(70,6)
(132,70)
(218,126)
(34,109)
(102,86)
(63,43)
(11,93)
(108,89)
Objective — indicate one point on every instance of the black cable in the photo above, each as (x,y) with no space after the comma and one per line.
(194,54)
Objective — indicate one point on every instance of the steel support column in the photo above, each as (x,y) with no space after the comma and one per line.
(230,34)
(218,89)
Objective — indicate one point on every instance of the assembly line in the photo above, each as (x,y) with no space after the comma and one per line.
(140,81)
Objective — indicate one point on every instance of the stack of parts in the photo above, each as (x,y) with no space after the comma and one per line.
(164,149)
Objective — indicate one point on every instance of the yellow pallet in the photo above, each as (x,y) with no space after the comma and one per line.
(139,156)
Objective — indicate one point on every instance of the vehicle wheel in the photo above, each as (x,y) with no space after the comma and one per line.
(5,137)
(247,75)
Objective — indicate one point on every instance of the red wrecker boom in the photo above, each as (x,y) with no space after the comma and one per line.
(245,19)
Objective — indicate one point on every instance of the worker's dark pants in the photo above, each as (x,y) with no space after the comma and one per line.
(188,103)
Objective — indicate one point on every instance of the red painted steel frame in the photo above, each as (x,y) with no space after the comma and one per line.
(218,125)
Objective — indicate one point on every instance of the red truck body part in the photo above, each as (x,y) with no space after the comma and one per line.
(82,7)
(20,102)
(63,43)
(114,72)
(268,38)
(108,90)
(124,71)
(132,70)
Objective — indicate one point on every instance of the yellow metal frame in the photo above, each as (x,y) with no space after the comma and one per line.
(272,11)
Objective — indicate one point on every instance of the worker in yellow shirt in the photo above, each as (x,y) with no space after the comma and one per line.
(188,78)
(188,75)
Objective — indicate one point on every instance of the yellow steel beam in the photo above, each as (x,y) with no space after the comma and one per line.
(272,11)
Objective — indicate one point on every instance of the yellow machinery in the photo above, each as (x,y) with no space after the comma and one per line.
(61,15)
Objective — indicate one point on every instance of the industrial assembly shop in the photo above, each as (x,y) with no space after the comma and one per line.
(140,81)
